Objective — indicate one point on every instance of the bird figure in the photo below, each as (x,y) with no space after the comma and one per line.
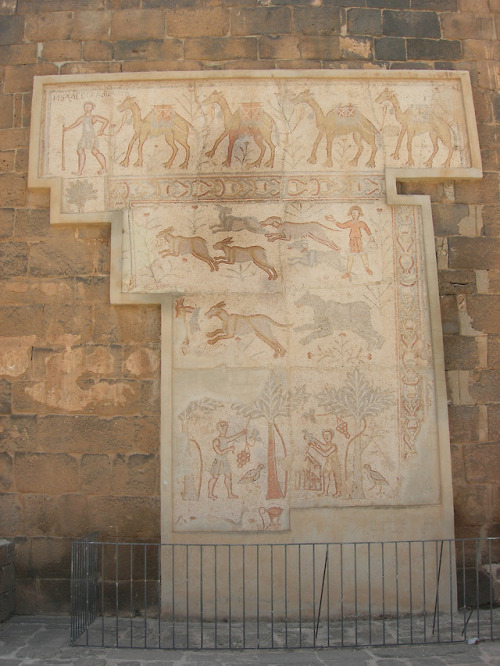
(379,481)
(252,475)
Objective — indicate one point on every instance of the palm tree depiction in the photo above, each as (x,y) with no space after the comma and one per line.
(273,403)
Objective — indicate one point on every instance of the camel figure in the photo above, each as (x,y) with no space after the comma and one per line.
(248,120)
(339,121)
(162,120)
(417,120)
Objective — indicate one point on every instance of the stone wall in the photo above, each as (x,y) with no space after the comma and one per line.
(72,461)
(7,580)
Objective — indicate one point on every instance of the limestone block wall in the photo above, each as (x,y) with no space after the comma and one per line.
(79,379)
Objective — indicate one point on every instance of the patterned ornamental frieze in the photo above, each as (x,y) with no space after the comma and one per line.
(302,366)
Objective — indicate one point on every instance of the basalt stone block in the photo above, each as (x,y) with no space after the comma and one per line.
(411,24)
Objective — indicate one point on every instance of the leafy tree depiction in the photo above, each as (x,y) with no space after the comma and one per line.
(359,400)
(79,192)
(272,403)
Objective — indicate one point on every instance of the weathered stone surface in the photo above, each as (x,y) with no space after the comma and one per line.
(91,25)
(470,503)
(61,51)
(6,480)
(283,47)
(464,424)
(261,21)
(13,259)
(460,352)
(32,223)
(95,473)
(434,49)
(127,324)
(457,282)
(144,49)
(49,557)
(220,48)
(15,354)
(71,324)
(7,161)
(482,462)
(487,189)
(463,25)
(478,253)
(6,111)
(390,48)
(135,24)
(36,291)
(12,189)
(410,24)
(71,384)
(448,218)
(484,311)
(81,434)
(322,48)
(364,21)
(51,596)
(449,314)
(97,50)
(10,514)
(125,517)
(18,433)
(136,474)
(6,552)
(324,20)
(356,48)
(198,22)
(494,351)
(11,29)
(46,473)
(6,222)
(5,397)
(21,320)
(142,362)
(485,386)
(494,422)
(52,258)
(49,515)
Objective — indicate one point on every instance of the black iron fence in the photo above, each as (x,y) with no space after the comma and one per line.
(229,596)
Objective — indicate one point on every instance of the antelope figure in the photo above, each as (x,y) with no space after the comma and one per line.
(417,120)
(162,120)
(248,120)
(339,121)
(237,254)
(181,245)
(238,324)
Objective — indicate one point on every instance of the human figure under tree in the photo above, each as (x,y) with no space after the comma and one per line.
(221,464)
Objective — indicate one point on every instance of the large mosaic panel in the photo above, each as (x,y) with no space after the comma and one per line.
(302,356)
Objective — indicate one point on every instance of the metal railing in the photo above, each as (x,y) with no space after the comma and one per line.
(84,582)
(228,596)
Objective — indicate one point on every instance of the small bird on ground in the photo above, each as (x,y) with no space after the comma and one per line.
(252,475)
(379,481)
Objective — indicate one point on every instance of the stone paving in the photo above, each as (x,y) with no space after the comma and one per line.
(34,641)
